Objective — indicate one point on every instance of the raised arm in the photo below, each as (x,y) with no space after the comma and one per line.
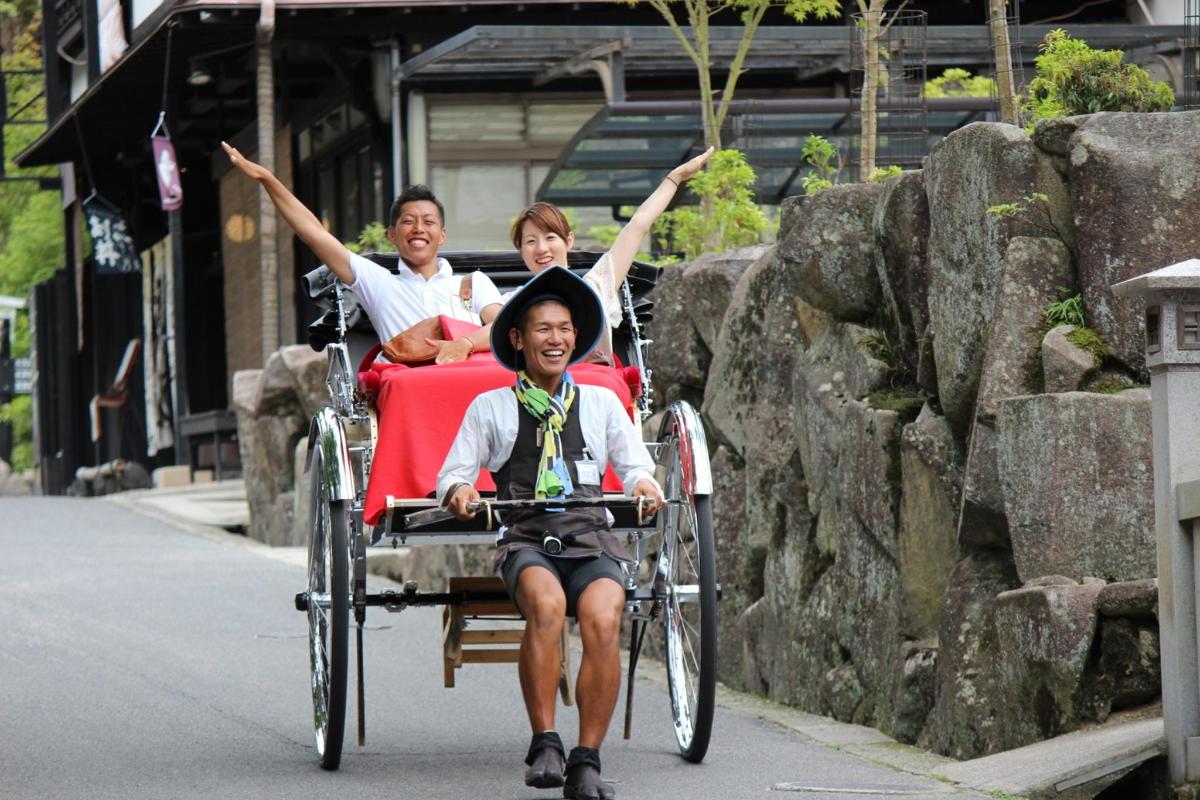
(304,222)
(630,238)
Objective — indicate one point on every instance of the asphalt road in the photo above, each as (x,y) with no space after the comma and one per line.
(138,660)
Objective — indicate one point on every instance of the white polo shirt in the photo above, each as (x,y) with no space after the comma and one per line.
(397,302)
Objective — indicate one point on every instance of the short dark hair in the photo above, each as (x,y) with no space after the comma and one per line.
(418,191)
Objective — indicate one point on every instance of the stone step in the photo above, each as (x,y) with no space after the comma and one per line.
(1076,765)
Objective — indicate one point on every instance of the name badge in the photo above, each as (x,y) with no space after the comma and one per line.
(588,473)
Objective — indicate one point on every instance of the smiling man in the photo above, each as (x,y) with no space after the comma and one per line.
(393,302)
(547,437)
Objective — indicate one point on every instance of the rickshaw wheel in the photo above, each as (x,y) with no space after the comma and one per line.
(328,618)
(686,570)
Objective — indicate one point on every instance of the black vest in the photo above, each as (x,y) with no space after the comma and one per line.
(515,481)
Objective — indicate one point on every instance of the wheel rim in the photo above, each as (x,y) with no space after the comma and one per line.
(319,580)
(680,571)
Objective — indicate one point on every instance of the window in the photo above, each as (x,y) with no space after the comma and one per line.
(1189,327)
(488,157)
(1153,329)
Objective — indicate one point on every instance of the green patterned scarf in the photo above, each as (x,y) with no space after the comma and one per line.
(553,478)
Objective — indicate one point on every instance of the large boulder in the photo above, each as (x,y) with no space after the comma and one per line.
(971,170)
(827,239)
(1044,636)
(1135,183)
(678,359)
(277,388)
(838,356)
(1032,272)
(1078,488)
(735,564)
(901,231)
(931,465)
(748,395)
(1129,672)
(708,285)
(964,722)
(309,369)
(850,456)
(1064,363)
(267,446)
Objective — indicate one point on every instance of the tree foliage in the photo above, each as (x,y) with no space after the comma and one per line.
(737,220)
(30,219)
(1072,78)
(694,39)
(825,161)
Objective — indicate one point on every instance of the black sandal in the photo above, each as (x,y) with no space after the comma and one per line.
(583,777)
(545,760)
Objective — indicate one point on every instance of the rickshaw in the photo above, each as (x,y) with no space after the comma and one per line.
(673,589)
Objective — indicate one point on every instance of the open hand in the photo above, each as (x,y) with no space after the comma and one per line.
(251,170)
(688,169)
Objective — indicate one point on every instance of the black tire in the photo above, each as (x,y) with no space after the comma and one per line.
(328,619)
(687,568)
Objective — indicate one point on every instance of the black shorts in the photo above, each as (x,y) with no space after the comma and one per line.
(575,574)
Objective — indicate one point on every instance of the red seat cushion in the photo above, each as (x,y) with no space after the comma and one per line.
(420,410)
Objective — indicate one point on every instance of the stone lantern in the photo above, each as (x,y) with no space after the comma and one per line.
(1172,299)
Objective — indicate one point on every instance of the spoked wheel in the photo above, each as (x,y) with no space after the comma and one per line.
(687,576)
(328,618)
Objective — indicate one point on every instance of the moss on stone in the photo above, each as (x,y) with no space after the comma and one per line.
(1109,383)
(1089,341)
(906,404)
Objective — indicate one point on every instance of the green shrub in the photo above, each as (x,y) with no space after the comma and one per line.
(826,162)
(881,174)
(371,239)
(736,221)
(956,82)
(1072,78)
(1068,311)
(19,412)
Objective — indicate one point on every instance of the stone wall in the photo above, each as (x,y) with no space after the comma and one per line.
(274,405)
(912,533)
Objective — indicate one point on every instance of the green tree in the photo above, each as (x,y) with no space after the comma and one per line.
(737,221)
(872,25)
(694,40)
(1072,78)
(1006,87)
(30,219)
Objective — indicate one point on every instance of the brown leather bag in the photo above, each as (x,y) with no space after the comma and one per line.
(409,346)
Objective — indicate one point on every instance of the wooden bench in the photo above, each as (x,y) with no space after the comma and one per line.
(465,641)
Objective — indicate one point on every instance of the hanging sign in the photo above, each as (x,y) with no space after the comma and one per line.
(170,190)
(112,246)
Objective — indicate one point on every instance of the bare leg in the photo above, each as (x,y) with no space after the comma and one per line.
(541,599)
(600,608)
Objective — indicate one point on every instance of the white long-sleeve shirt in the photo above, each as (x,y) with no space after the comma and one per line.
(489,431)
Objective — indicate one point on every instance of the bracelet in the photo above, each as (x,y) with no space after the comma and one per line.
(470,344)
(672,180)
